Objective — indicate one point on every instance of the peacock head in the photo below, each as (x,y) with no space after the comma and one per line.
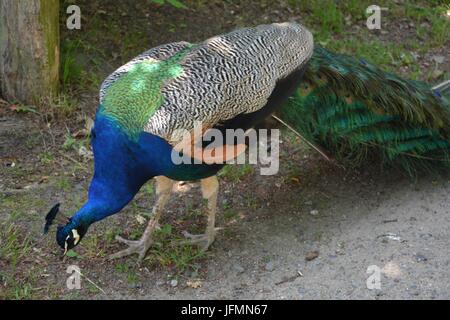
(69,232)
(69,236)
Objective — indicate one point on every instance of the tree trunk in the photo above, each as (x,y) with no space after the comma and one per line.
(29,50)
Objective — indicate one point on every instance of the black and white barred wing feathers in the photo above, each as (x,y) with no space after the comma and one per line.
(224,76)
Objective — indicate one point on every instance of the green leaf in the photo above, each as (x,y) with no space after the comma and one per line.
(72,254)
(24,109)
(166,229)
(177,4)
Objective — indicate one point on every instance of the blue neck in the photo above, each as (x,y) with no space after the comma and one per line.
(123,165)
(119,170)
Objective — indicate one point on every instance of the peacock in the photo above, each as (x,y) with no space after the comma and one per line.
(342,104)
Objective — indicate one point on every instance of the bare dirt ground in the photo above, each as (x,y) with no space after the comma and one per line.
(400,226)
(309,232)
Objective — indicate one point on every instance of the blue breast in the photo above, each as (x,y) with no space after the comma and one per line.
(120,159)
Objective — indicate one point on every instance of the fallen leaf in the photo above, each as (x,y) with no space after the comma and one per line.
(392,270)
(83,133)
(295,179)
(312,255)
(140,219)
(195,284)
(85,153)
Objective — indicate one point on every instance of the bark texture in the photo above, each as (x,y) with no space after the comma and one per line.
(29,49)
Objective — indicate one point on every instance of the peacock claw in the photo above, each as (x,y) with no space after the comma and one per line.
(140,247)
(201,240)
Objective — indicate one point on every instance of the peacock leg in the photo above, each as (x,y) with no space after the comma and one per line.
(210,190)
(163,191)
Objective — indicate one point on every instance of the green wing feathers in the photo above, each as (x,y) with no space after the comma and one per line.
(356,111)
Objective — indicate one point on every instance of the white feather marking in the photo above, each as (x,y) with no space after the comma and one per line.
(76,236)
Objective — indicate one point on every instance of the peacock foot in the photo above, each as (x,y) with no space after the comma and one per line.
(140,247)
(201,240)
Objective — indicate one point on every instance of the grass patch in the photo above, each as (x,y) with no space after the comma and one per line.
(128,271)
(13,246)
(388,56)
(63,183)
(439,31)
(236,173)
(71,70)
(46,158)
(14,249)
(70,143)
(171,250)
(331,23)
(149,188)
(230,214)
